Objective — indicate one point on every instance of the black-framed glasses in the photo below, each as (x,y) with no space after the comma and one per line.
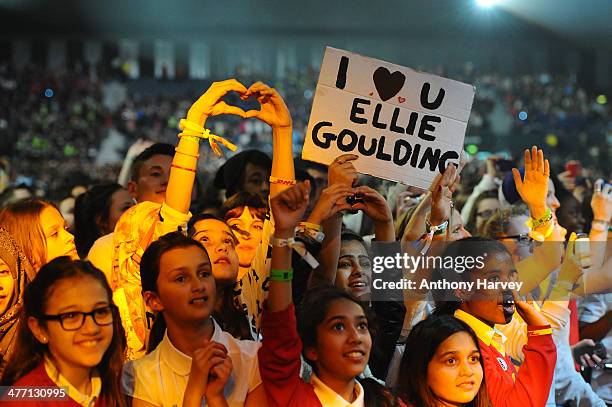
(74,320)
(522,239)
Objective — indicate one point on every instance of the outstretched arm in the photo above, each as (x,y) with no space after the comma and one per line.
(288,207)
(185,161)
(274,112)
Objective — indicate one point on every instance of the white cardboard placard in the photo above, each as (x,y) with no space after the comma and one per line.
(405,125)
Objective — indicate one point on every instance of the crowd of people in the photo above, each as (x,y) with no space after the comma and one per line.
(184,282)
(65,116)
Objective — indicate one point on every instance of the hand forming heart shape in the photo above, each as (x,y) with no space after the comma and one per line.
(273,110)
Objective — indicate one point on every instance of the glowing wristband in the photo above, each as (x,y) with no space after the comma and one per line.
(281,275)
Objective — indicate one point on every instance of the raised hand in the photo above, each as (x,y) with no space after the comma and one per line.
(534,188)
(209,104)
(442,192)
(528,312)
(373,205)
(601,202)
(273,109)
(331,201)
(342,170)
(571,270)
(288,207)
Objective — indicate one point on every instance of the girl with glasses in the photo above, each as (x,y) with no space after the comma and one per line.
(69,336)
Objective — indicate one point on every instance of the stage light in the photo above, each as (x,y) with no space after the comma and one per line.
(471,149)
(522,116)
(552,140)
(487,3)
(602,100)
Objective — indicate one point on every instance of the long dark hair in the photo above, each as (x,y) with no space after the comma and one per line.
(421,346)
(91,211)
(29,352)
(234,205)
(314,307)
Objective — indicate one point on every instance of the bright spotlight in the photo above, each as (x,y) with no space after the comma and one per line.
(487,3)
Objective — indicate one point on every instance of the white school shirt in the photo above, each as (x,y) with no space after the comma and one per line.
(160,378)
(330,398)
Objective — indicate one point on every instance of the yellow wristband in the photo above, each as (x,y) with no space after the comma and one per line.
(540,332)
(312,226)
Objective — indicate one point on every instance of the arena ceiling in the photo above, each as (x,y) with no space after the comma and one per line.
(586,22)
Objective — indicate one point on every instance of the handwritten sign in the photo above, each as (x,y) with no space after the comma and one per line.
(405,125)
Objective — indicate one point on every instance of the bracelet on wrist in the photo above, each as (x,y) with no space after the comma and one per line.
(317,235)
(281,275)
(436,230)
(182,168)
(535,223)
(297,246)
(283,181)
(196,156)
(600,225)
(542,235)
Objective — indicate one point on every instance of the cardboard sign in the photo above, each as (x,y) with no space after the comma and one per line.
(405,125)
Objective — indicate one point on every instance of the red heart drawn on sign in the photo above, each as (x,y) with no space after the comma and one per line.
(371,93)
(401,99)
